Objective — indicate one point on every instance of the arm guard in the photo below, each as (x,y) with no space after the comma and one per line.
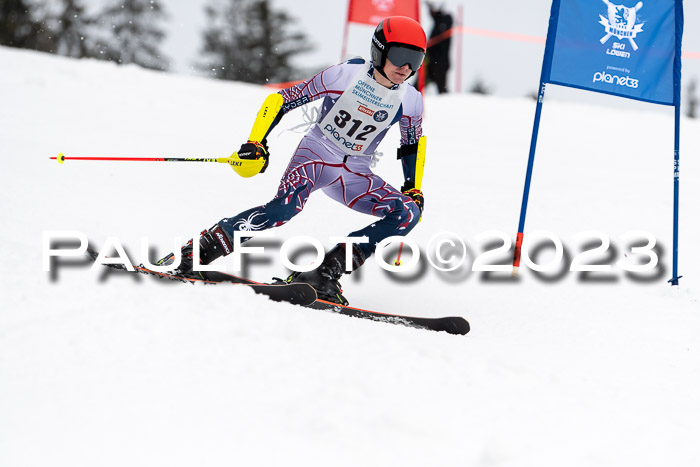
(412,158)
(253,157)
(268,116)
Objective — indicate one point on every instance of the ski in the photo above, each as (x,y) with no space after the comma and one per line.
(296,294)
(305,295)
(450,324)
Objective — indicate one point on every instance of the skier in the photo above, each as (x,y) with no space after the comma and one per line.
(361,100)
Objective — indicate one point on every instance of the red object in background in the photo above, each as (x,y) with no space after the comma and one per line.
(373,11)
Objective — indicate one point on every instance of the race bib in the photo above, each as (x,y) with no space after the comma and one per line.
(363,112)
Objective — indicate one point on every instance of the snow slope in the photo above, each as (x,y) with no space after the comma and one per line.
(559,368)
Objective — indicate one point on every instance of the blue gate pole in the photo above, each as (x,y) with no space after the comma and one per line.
(528,180)
(676,193)
(544,79)
(677,138)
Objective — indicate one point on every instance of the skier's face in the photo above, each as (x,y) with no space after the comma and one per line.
(396,75)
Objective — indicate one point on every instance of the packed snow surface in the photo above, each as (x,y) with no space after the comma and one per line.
(561,368)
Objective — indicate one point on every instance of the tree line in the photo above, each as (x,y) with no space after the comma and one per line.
(244,40)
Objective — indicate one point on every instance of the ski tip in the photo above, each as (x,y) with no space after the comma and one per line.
(454,325)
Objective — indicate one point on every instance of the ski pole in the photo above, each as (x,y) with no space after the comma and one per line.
(398,258)
(61,158)
(420,166)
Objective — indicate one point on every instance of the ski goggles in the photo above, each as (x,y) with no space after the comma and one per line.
(400,56)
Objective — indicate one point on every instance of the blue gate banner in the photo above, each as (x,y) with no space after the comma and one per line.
(626,48)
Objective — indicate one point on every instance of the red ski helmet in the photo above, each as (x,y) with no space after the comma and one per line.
(402,40)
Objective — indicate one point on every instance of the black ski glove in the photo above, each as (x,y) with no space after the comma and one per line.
(255,150)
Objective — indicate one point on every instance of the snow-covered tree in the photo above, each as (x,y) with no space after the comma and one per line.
(133,33)
(248,40)
(72,32)
(21,26)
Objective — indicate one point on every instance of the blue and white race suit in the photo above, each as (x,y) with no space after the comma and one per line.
(335,155)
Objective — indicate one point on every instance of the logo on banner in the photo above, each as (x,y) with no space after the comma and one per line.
(610,78)
(383,5)
(621,22)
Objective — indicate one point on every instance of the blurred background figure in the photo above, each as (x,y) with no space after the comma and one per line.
(439,47)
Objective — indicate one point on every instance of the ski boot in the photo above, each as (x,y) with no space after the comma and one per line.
(213,244)
(325,277)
